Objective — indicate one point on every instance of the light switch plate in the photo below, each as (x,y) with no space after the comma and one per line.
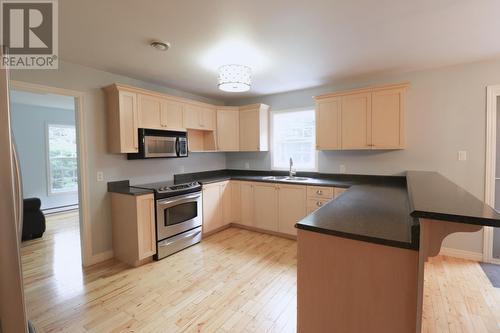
(462,155)
(100,176)
(342,168)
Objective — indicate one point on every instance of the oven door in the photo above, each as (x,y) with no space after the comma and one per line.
(178,214)
(160,146)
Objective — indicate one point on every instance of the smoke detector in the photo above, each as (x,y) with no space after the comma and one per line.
(159,45)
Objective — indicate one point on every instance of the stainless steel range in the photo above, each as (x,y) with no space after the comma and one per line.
(179,216)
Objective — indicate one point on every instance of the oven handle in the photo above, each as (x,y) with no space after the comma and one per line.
(178,238)
(177,200)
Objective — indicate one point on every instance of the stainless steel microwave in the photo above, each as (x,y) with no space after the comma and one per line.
(160,144)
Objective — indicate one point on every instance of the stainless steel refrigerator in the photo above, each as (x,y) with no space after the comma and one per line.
(12,307)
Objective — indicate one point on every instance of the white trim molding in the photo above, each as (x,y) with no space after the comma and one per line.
(85,227)
(462,254)
(492,93)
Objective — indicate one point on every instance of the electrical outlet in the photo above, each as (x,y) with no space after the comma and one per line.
(342,168)
(247,165)
(100,176)
(462,155)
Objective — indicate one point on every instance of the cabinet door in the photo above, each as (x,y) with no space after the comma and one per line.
(236,200)
(191,117)
(149,112)
(292,207)
(128,122)
(212,212)
(226,202)
(356,121)
(228,130)
(328,124)
(207,118)
(249,130)
(171,115)
(146,226)
(247,205)
(266,206)
(388,119)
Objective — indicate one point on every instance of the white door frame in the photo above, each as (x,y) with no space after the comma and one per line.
(85,227)
(492,92)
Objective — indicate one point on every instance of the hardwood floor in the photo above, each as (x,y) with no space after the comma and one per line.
(234,281)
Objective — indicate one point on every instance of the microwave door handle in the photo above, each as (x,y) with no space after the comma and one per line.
(177,146)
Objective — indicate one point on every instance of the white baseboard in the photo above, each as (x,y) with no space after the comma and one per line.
(100,257)
(456,253)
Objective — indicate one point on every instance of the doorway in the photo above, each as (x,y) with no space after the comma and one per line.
(491,250)
(45,133)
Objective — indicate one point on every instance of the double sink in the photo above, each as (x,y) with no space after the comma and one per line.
(287,178)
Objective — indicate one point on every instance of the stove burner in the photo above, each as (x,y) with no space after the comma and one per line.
(175,188)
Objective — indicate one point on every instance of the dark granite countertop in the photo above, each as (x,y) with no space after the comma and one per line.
(378,209)
(316,179)
(123,187)
(434,197)
(373,213)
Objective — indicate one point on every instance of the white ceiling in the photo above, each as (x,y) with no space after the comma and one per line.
(291,44)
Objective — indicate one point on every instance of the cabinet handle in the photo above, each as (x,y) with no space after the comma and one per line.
(319,192)
(319,203)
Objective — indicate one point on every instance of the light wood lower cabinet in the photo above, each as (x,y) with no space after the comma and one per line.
(212,207)
(265,206)
(134,234)
(247,204)
(221,205)
(291,207)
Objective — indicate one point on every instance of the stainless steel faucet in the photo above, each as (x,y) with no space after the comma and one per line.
(292,172)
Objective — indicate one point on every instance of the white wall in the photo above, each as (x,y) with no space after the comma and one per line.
(29,125)
(115,167)
(446,112)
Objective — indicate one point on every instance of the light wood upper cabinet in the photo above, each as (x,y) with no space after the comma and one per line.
(265,206)
(369,118)
(254,127)
(388,125)
(122,120)
(228,129)
(171,115)
(356,120)
(199,117)
(134,233)
(209,127)
(292,207)
(247,204)
(150,112)
(328,120)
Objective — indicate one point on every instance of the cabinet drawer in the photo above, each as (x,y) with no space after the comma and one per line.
(320,192)
(315,203)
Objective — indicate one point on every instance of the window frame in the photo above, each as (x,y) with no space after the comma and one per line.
(51,193)
(271,136)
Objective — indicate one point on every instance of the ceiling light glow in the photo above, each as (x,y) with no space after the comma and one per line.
(234,51)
